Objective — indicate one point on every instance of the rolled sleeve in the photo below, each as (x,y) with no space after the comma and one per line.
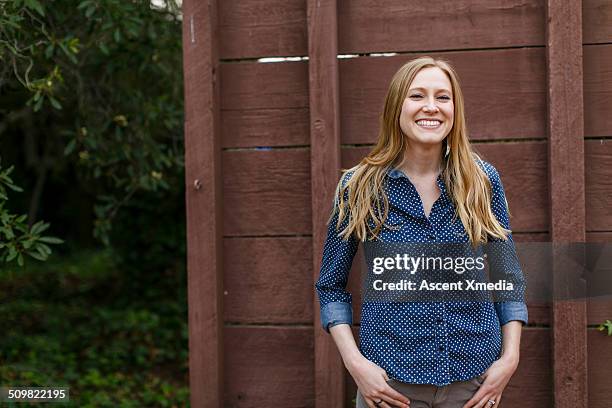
(338,254)
(335,313)
(508,311)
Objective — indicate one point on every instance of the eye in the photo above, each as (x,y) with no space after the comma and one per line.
(446,98)
(416,96)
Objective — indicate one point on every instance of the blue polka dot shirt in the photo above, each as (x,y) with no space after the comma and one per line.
(419,342)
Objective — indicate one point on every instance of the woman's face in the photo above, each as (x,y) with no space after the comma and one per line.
(428,110)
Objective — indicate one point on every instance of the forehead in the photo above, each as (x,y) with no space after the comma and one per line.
(431,78)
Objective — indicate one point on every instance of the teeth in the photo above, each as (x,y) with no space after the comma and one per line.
(428,123)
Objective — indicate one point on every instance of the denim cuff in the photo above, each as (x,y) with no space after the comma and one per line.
(335,313)
(508,311)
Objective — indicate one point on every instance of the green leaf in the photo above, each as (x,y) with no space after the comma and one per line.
(35,5)
(117,35)
(36,255)
(51,240)
(55,103)
(70,147)
(39,227)
(607,325)
(20,260)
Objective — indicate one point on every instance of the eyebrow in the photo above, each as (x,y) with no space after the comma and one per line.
(423,89)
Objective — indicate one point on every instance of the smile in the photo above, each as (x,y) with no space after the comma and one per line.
(429,124)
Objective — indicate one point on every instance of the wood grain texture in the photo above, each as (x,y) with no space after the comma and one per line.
(269,367)
(596,17)
(504,93)
(265,104)
(396,25)
(268,280)
(324,168)
(265,127)
(567,197)
(598,177)
(599,309)
(600,355)
(203,203)
(597,89)
(267,192)
(255,28)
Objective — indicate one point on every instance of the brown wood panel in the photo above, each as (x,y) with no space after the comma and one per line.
(269,367)
(598,177)
(531,385)
(203,203)
(504,92)
(268,280)
(255,28)
(264,104)
(396,25)
(600,369)
(567,194)
(265,127)
(598,88)
(266,192)
(596,18)
(252,85)
(325,166)
(522,166)
(599,309)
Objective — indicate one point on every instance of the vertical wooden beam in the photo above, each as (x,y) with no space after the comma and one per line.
(567,199)
(203,202)
(325,166)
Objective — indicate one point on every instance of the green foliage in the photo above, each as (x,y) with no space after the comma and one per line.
(99,84)
(16,237)
(78,322)
(606,326)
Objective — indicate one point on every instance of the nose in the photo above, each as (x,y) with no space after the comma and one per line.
(430,107)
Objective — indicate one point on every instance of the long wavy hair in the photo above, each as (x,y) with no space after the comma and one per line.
(366,204)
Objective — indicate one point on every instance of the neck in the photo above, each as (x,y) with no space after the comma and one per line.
(422,160)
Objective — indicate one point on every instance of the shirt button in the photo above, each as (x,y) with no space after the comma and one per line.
(439,320)
(431,236)
(441,348)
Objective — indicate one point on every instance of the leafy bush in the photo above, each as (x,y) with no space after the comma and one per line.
(71,323)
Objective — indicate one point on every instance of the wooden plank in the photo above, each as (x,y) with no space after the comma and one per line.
(504,92)
(567,198)
(599,309)
(268,280)
(324,167)
(255,28)
(596,17)
(522,166)
(600,370)
(269,367)
(252,85)
(203,202)
(267,192)
(597,89)
(598,165)
(265,127)
(396,25)
(265,104)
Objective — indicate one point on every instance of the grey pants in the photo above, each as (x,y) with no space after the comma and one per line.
(454,395)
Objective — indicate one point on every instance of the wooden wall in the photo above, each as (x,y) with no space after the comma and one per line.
(265,142)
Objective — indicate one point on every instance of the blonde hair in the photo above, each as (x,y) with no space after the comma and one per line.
(366,204)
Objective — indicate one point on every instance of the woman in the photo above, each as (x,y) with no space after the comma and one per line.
(421,183)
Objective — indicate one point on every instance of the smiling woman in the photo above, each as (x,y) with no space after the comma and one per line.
(423,171)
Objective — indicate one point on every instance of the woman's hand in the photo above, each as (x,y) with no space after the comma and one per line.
(495,380)
(372,383)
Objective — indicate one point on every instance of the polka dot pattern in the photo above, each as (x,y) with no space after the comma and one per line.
(419,342)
